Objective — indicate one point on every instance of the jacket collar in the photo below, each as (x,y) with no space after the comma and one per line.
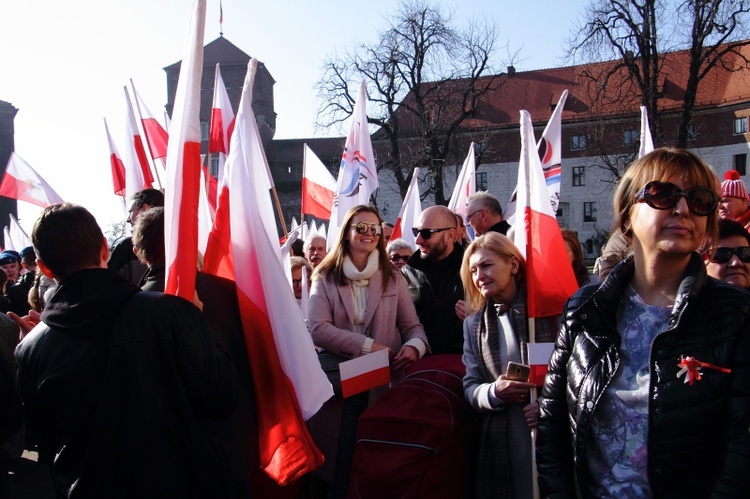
(451,261)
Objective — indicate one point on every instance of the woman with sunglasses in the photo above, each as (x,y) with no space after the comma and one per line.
(648,389)
(729,259)
(359,304)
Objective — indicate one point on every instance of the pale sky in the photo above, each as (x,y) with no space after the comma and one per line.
(64,65)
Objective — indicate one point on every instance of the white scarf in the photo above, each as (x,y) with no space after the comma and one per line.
(360,280)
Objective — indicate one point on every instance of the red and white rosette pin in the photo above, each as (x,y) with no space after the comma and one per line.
(690,368)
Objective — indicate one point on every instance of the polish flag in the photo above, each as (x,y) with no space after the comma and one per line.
(135,139)
(549,274)
(21,182)
(411,209)
(184,166)
(539,355)
(318,186)
(156,137)
(466,185)
(358,176)
(134,174)
(17,235)
(222,124)
(647,141)
(289,383)
(118,168)
(364,373)
(549,148)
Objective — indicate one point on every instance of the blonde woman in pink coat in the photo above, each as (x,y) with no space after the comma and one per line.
(359,304)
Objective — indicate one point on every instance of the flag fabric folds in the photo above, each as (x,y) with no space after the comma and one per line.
(116,164)
(16,238)
(358,176)
(184,167)
(137,142)
(222,124)
(21,182)
(411,209)
(466,185)
(135,179)
(156,137)
(549,274)
(289,383)
(318,186)
(549,148)
(647,141)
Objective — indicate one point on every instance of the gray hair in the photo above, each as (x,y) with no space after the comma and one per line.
(398,244)
(487,201)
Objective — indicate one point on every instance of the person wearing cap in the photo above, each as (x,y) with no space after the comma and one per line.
(9,263)
(734,198)
(18,293)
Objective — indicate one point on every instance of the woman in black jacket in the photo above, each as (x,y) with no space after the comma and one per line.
(648,391)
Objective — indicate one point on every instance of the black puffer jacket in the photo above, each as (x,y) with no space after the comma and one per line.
(698,436)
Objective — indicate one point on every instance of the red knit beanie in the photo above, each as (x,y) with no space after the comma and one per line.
(733,186)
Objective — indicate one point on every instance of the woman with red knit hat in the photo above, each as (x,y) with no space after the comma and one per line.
(734,198)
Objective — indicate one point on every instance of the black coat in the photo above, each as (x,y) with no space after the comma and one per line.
(130,382)
(698,439)
(435,288)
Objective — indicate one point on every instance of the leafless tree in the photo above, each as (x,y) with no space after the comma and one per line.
(424,77)
(637,33)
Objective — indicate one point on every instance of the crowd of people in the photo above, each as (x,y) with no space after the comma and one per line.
(132,393)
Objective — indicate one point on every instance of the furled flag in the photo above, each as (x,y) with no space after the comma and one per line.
(358,176)
(115,162)
(549,148)
(222,124)
(411,209)
(647,141)
(466,185)
(137,172)
(549,274)
(318,186)
(156,137)
(289,383)
(21,182)
(184,166)
(17,234)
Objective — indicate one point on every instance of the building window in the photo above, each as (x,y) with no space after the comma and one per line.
(563,209)
(481,181)
(577,142)
(215,166)
(740,125)
(589,246)
(579,176)
(740,163)
(692,134)
(204,130)
(631,137)
(589,211)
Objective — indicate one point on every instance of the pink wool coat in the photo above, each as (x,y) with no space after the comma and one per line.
(390,317)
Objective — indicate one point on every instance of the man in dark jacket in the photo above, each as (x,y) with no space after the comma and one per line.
(435,281)
(485,214)
(129,383)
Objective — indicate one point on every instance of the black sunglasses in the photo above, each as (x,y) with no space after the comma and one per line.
(363,228)
(723,255)
(395,258)
(665,195)
(427,233)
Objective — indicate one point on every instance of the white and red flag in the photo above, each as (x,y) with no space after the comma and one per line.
(290,386)
(364,373)
(318,186)
(137,142)
(411,209)
(116,164)
(156,137)
(21,182)
(222,124)
(549,148)
(358,176)
(466,185)
(647,141)
(16,235)
(184,166)
(549,274)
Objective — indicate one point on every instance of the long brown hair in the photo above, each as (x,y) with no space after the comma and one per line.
(333,263)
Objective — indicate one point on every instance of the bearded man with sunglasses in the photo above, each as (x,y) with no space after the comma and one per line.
(435,281)
(729,259)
